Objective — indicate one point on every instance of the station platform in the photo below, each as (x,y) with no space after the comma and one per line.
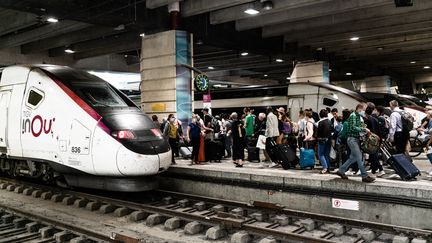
(387,200)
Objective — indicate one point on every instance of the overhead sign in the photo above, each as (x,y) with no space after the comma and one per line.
(201,82)
(345,204)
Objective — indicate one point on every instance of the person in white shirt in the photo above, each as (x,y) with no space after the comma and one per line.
(396,133)
(272,128)
(309,140)
(302,126)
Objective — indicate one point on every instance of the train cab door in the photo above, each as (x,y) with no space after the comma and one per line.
(4,104)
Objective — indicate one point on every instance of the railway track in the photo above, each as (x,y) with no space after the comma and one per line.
(220,219)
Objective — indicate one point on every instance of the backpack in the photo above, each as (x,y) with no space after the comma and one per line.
(383,127)
(370,144)
(315,129)
(407,121)
(215,125)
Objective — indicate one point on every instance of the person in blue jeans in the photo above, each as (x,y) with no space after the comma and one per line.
(354,129)
(324,133)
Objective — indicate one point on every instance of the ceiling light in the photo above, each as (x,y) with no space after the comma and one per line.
(413,62)
(426,67)
(52,20)
(380,48)
(279,60)
(267,5)
(211,68)
(244,54)
(199,42)
(142,34)
(288,78)
(69,50)
(251,11)
(330,69)
(265,75)
(348,74)
(355,38)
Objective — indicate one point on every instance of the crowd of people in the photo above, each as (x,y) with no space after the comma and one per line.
(335,137)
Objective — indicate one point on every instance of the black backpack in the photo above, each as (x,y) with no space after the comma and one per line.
(383,128)
(215,125)
(407,121)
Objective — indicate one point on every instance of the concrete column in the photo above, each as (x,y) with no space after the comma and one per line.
(316,72)
(166,86)
(378,84)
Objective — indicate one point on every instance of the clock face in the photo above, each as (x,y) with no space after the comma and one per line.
(201,82)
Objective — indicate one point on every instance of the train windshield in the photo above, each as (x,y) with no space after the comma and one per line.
(99,94)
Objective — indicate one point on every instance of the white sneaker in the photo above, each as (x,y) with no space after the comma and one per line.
(380,173)
(358,173)
(369,171)
(349,173)
(394,176)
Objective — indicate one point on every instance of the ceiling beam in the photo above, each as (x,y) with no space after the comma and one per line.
(340,23)
(43,32)
(406,49)
(307,12)
(14,20)
(151,4)
(368,34)
(195,7)
(237,12)
(86,34)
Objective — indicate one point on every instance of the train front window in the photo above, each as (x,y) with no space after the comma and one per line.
(100,95)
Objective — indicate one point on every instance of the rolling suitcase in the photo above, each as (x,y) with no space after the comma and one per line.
(307,158)
(253,154)
(214,150)
(402,165)
(286,156)
(186,152)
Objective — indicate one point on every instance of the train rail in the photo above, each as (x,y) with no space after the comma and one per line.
(243,222)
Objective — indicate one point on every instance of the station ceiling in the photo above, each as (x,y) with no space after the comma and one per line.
(361,37)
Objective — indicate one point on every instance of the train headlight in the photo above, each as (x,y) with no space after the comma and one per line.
(125,134)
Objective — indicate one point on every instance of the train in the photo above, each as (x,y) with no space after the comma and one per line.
(65,126)
(296,96)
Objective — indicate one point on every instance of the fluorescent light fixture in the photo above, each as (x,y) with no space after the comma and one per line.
(380,48)
(251,11)
(211,68)
(413,62)
(265,75)
(330,69)
(288,78)
(267,5)
(354,38)
(244,54)
(279,60)
(348,74)
(52,20)
(142,34)
(426,67)
(69,51)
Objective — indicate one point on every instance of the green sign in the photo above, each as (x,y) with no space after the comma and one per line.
(202,82)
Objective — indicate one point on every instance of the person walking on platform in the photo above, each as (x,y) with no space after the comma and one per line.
(310,140)
(239,140)
(173,134)
(249,124)
(353,133)
(396,133)
(271,132)
(324,140)
(373,125)
(193,137)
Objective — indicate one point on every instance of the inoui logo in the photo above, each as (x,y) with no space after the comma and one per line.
(37,125)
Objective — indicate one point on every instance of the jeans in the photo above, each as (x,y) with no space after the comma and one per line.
(324,153)
(195,142)
(228,145)
(174,148)
(375,164)
(356,156)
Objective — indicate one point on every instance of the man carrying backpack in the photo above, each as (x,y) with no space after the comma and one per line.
(372,124)
(399,128)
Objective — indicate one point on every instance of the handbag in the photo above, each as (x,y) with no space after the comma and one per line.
(332,153)
(370,143)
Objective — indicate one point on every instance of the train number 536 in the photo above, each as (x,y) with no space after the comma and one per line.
(76,150)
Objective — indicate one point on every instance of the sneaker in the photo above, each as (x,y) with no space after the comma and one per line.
(368,179)
(358,172)
(342,175)
(324,171)
(349,173)
(380,173)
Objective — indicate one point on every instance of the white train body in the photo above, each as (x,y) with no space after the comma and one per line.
(57,118)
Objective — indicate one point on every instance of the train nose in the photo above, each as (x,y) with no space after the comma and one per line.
(130,163)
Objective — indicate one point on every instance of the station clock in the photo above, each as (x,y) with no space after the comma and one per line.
(201,82)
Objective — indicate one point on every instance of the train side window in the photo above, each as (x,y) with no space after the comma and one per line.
(35,97)
(329,102)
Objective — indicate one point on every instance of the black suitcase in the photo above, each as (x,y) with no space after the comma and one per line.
(253,154)
(270,145)
(402,164)
(214,150)
(286,156)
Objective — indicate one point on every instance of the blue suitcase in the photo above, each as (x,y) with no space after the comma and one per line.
(404,167)
(307,158)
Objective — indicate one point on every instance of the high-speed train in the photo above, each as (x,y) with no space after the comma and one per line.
(67,126)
